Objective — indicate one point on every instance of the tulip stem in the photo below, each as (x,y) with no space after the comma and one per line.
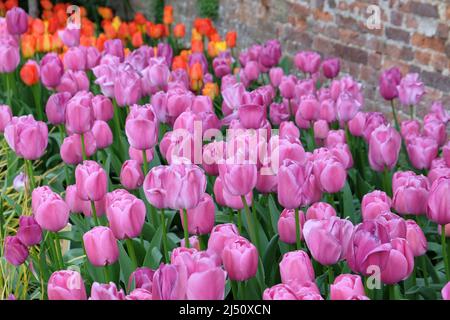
(234,289)
(387,182)
(394,115)
(185,228)
(61,135)
(297,229)
(392,295)
(131,252)
(164,236)
(239,221)
(116,128)
(411,111)
(145,162)
(37,92)
(83,148)
(445,253)
(106,274)
(424,270)
(94,214)
(250,224)
(30,174)
(58,250)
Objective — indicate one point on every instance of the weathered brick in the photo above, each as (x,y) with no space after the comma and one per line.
(323,15)
(434,43)
(422,57)
(424,9)
(396,18)
(436,80)
(355,55)
(397,34)
(439,61)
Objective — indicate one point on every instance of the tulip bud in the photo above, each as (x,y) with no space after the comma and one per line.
(320,211)
(91,181)
(17,21)
(101,291)
(410,89)
(66,285)
(143,278)
(445,292)
(206,285)
(346,286)
(169,282)
(141,127)
(71,152)
(201,218)
(131,175)
(384,148)
(5,116)
(279,292)
(416,238)
(15,251)
(29,232)
(389,80)
(126,214)
(221,235)
(290,182)
(240,259)
(286,226)
(75,59)
(411,194)
(102,107)
(331,67)
(296,267)
(101,246)
(102,134)
(139,294)
(50,210)
(439,202)
(55,108)
(52,70)
(307,61)
(421,151)
(238,179)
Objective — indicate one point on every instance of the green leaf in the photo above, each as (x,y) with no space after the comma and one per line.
(126,265)
(153,258)
(349,208)
(269,257)
(274,214)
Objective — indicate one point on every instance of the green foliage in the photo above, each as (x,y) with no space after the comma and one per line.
(208,8)
(158,9)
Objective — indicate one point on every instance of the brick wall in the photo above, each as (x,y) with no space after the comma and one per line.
(414,35)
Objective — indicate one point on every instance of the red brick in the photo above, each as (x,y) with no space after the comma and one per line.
(396,18)
(300,10)
(322,15)
(422,57)
(424,9)
(439,61)
(374,60)
(411,22)
(355,55)
(397,34)
(433,43)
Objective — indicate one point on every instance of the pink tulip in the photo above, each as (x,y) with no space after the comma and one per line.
(155,76)
(291,178)
(308,107)
(177,186)
(206,285)
(375,203)
(169,282)
(101,246)
(75,204)
(137,155)
(126,214)
(305,290)
(226,199)
(79,114)
(29,232)
(73,82)
(71,152)
(240,259)
(252,116)
(327,240)
(27,137)
(320,211)
(193,243)
(331,67)
(275,75)
(346,286)
(347,106)
(286,226)
(279,292)
(52,70)
(5,116)
(288,129)
(388,82)
(399,263)
(50,210)
(9,57)
(411,194)
(307,61)
(127,87)
(102,134)
(394,224)
(435,129)
(55,109)
(296,267)
(287,87)
(70,35)
(102,108)
(357,125)
(141,127)
(279,112)
(142,279)
(66,285)
(438,205)
(416,238)
(331,174)
(15,252)
(366,247)
(445,292)
(75,59)
(410,89)
(131,175)
(321,129)
(17,21)
(238,178)
(266,183)
(327,110)
(384,148)
(91,181)
(410,129)
(335,137)
(251,71)
(115,48)
(201,218)
(139,294)
(446,154)
(101,291)
(422,151)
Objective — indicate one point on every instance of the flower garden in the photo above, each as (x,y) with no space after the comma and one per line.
(143,160)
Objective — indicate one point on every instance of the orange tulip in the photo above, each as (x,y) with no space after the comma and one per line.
(215,37)
(105,12)
(87,41)
(203,25)
(11,4)
(179,30)
(87,27)
(211,90)
(139,18)
(56,42)
(212,50)
(110,32)
(37,28)
(230,37)
(44,43)
(157,31)
(197,46)
(2,9)
(133,27)
(179,63)
(28,45)
(46,4)
(168,15)
(53,24)
(46,15)
(61,15)
(30,73)
(83,12)
(137,40)
(196,75)
(101,41)
(123,32)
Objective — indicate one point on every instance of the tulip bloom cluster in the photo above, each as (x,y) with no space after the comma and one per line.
(148,170)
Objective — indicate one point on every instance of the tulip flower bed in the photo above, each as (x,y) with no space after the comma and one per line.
(134,167)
